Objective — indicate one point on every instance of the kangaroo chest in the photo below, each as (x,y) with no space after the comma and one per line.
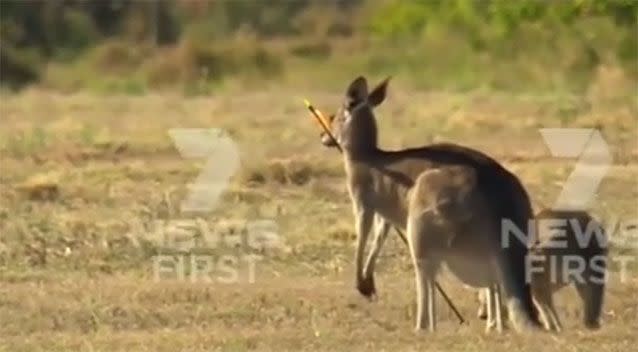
(381,195)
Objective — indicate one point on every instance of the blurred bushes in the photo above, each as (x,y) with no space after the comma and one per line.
(495,18)
(63,30)
(506,44)
(18,66)
(193,63)
(195,44)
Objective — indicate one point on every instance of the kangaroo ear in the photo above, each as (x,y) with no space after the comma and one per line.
(358,89)
(377,95)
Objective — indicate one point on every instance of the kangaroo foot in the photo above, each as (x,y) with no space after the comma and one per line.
(367,288)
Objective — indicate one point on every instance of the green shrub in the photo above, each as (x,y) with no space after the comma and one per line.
(502,44)
(164,69)
(18,67)
(118,56)
(197,65)
(314,49)
(76,33)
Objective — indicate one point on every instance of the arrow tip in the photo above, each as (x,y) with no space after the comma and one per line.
(305,101)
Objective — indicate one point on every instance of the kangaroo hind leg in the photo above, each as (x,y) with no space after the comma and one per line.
(494,308)
(425,267)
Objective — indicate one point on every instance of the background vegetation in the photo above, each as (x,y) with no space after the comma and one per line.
(199,45)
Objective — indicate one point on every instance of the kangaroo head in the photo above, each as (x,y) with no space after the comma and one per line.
(354,125)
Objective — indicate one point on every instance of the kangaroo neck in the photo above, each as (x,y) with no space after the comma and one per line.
(360,156)
(361,149)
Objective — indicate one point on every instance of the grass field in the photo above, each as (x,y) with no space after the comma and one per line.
(83,178)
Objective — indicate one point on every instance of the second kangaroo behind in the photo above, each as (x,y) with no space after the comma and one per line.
(396,186)
(576,255)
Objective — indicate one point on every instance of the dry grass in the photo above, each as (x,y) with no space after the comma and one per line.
(76,268)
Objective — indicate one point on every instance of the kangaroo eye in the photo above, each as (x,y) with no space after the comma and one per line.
(350,103)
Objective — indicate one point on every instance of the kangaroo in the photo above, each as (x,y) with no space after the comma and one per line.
(396,186)
(556,252)
(443,204)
